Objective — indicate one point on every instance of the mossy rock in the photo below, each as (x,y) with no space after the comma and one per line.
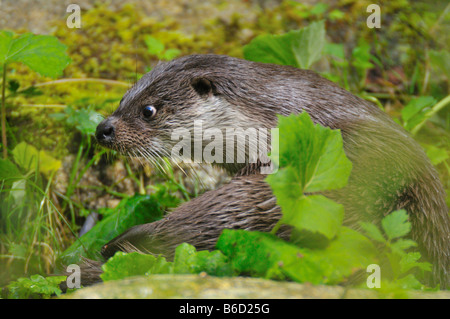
(207,287)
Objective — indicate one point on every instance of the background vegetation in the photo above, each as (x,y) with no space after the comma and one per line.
(56,178)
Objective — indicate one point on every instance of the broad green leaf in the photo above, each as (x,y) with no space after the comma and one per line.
(315,213)
(315,154)
(311,158)
(8,170)
(350,251)
(373,232)
(396,224)
(300,48)
(132,211)
(26,156)
(416,105)
(41,53)
(6,40)
(123,265)
(47,163)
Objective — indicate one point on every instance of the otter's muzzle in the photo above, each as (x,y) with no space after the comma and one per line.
(105,132)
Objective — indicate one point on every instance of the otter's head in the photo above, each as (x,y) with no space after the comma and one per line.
(174,97)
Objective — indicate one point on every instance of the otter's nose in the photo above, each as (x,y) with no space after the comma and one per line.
(105,132)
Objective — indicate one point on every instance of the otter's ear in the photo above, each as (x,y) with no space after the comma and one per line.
(202,86)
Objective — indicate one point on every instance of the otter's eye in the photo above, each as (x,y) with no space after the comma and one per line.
(149,111)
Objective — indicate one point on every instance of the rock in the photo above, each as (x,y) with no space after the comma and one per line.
(207,287)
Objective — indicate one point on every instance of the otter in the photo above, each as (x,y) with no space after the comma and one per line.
(390,170)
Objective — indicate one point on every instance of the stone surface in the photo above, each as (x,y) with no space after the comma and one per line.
(207,287)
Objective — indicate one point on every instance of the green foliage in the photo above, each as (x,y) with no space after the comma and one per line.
(136,210)
(41,53)
(84,120)
(186,261)
(35,287)
(28,158)
(264,255)
(156,47)
(416,111)
(300,48)
(394,249)
(29,219)
(311,159)
(441,62)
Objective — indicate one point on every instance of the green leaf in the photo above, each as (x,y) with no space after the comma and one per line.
(311,159)
(35,287)
(315,213)
(8,170)
(335,49)
(170,54)
(6,40)
(140,209)
(373,232)
(361,56)
(154,46)
(264,255)
(313,151)
(300,48)
(41,53)
(410,260)
(188,261)
(435,154)
(401,245)
(350,251)
(416,105)
(123,265)
(396,224)
(26,156)
(409,282)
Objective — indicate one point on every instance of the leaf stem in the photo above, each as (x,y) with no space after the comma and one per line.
(276,227)
(436,108)
(4,141)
